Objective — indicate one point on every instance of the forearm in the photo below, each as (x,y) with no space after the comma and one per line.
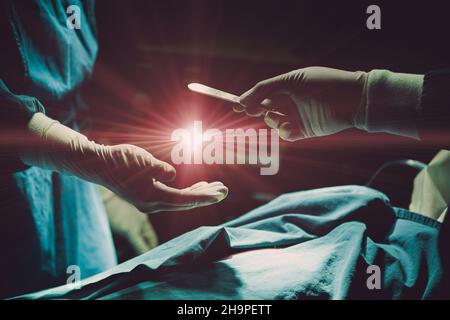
(434,120)
(410,105)
(59,148)
(392,103)
(15,113)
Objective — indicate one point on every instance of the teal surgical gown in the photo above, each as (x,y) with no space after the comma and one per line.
(48,221)
(315,244)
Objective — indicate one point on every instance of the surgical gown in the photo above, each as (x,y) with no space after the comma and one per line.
(49,221)
(316,244)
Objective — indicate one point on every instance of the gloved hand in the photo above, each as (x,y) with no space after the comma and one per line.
(129,171)
(319,101)
(316,101)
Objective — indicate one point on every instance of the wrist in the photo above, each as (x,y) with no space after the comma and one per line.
(391,103)
(50,141)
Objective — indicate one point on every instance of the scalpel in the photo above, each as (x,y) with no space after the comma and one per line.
(219,94)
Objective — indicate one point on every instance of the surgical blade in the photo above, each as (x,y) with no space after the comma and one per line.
(219,94)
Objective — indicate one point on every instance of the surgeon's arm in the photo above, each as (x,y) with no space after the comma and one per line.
(434,118)
(29,137)
(128,170)
(15,113)
(411,105)
(319,101)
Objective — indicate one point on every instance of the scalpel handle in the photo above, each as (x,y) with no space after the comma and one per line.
(219,94)
(215,93)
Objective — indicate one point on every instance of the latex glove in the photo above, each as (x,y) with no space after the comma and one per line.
(319,101)
(129,171)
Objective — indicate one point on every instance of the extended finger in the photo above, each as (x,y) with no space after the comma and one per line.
(274,120)
(255,111)
(289,132)
(190,198)
(161,170)
(238,108)
(198,184)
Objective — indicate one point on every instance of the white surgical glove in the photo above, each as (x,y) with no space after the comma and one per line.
(129,171)
(319,101)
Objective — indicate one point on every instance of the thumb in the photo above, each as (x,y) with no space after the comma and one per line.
(162,171)
(262,90)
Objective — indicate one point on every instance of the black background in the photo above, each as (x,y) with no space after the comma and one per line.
(150,50)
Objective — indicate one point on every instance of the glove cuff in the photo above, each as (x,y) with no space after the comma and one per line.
(392,102)
(49,137)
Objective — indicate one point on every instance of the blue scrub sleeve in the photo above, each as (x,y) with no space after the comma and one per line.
(15,112)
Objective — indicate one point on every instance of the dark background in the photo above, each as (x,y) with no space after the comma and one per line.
(150,50)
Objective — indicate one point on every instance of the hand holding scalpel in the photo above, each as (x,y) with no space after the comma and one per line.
(219,94)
